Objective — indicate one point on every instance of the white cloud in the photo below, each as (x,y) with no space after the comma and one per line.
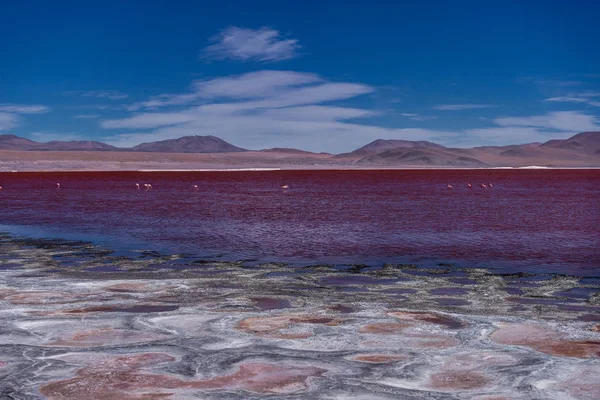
(86,116)
(583,97)
(511,135)
(8,121)
(99,94)
(567,99)
(151,120)
(292,109)
(9,114)
(417,117)
(262,89)
(317,113)
(594,103)
(253,85)
(459,107)
(569,121)
(23,109)
(244,44)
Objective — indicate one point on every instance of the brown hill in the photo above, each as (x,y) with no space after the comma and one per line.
(286,150)
(381,145)
(422,156)
(12,142)
(587,142)
(75,145)
(189,144)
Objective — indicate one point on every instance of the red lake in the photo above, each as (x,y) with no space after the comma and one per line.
(529,220)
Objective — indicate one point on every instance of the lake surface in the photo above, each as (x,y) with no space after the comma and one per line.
(174,299)
(531,220)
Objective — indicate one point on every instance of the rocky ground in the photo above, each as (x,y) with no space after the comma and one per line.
(81,322)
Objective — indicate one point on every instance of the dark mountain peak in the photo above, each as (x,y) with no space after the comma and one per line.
(189,144)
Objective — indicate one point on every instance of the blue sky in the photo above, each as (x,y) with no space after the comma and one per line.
(317,75)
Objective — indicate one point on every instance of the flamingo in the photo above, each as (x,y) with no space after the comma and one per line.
(58,185)
(483,185)
(490,185)
(195,187)
(0,187)
(449,186)
(469,185)
(137,186)
(286,186)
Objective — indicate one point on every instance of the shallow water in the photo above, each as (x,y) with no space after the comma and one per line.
(140,331)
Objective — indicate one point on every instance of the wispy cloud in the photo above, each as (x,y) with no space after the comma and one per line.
(460,107)
(417,117)
(262,89)
(86,116)
(244,44)
(567,99)
(98,94)
(292,109)
(23,109)
(582,97)
(10,114)
(8,121)
(510,135)
(570,121)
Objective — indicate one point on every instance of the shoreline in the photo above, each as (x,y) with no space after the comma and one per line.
(250,169)
(102,324)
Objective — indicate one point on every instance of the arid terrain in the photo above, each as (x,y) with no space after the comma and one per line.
(209,152)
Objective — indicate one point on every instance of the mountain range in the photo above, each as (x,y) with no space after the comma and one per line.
(582,149)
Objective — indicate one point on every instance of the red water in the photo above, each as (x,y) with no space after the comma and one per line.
(538,220)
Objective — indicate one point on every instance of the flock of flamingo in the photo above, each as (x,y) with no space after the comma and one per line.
(470,186)
(148,186)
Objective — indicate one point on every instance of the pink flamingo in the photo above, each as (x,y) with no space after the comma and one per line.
(469,185)
(195,187)
(483,185)
(490,185)
(137,186)
(449,186)
(58,185)
(285,186)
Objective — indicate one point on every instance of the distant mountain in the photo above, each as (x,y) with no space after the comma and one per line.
(286,150)
(587,142)
(189,144)
(381,145)
(422,156)
(75,145)
(12,142)
(580,150)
